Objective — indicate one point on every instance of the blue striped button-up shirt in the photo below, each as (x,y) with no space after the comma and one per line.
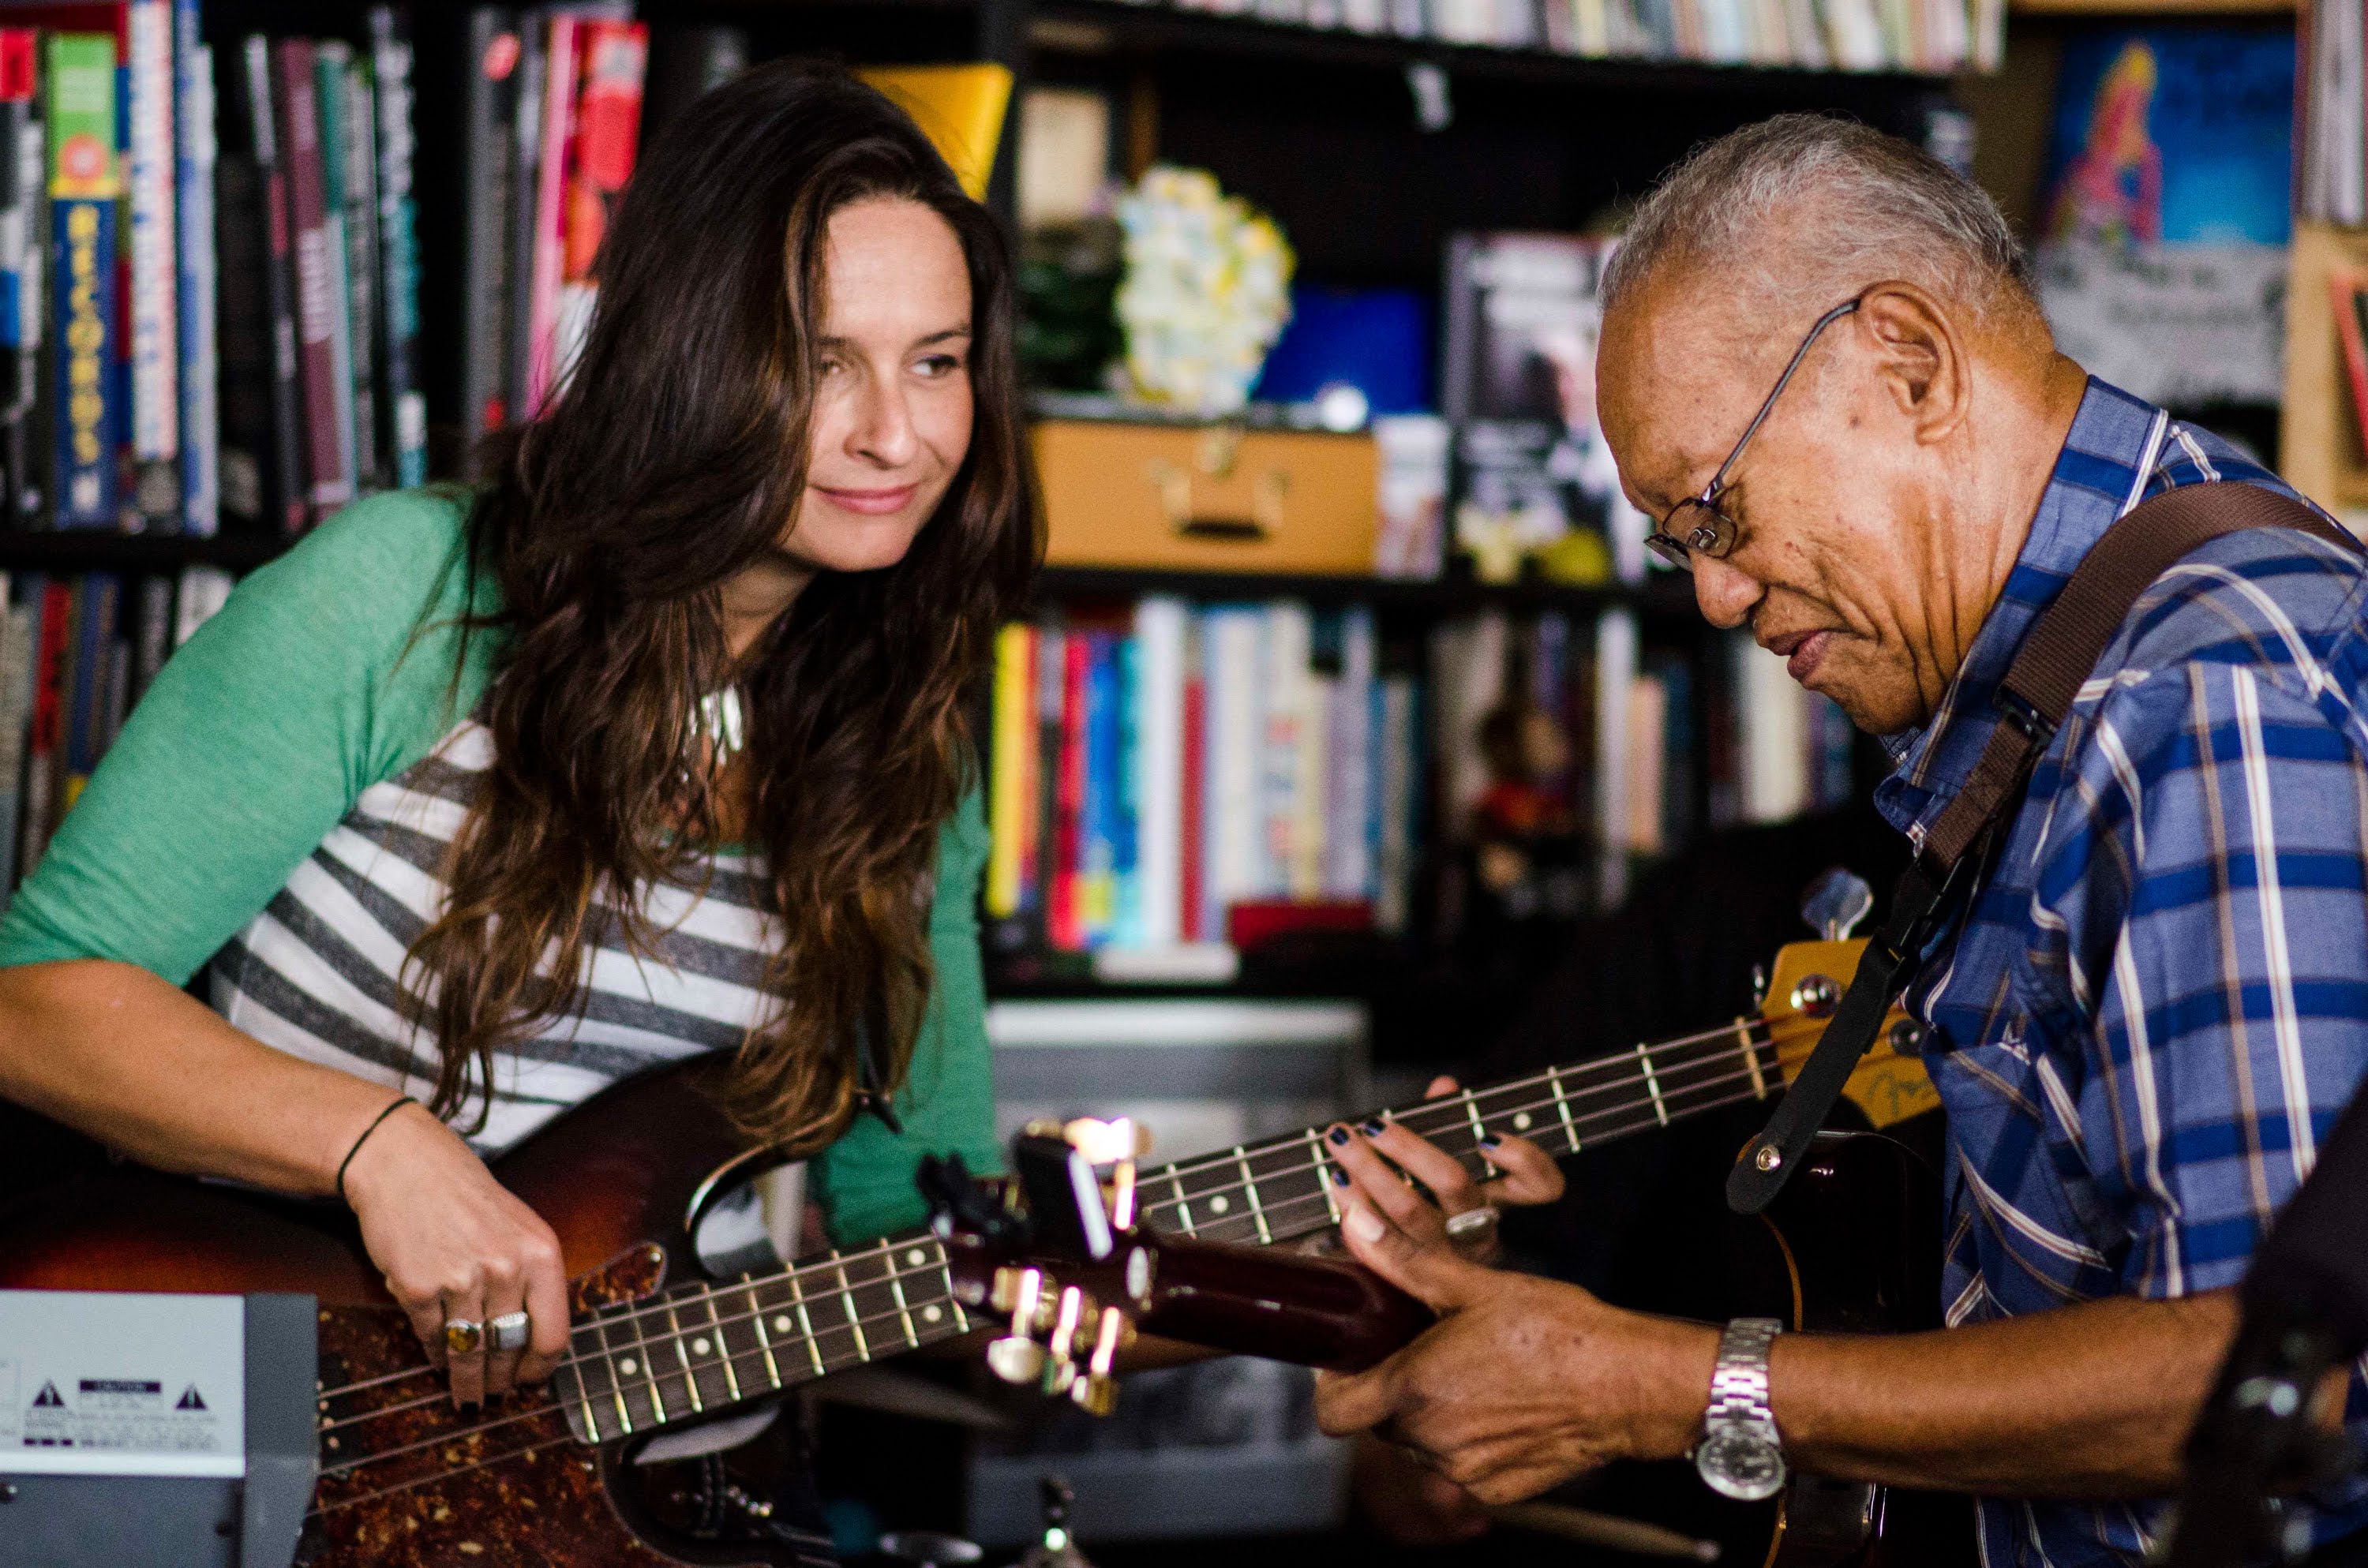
(2157,1004)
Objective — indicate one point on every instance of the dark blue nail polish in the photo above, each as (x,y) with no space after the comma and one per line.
(1339,1176)
(1373,1128)
(1489,1139)
(1338,1135)
(493,1401)
(469,1410)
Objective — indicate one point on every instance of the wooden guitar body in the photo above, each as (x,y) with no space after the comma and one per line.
(405,1482)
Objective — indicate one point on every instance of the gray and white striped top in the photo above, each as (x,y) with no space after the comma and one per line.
(318,972)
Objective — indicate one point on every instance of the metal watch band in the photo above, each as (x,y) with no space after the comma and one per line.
(1738,1387)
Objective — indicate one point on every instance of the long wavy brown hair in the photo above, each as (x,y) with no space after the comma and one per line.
(673,457)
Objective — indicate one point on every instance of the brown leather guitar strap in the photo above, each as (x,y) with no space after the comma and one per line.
(2059,654)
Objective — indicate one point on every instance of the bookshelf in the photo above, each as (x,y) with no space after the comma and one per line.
(2319,448)
(1319,128)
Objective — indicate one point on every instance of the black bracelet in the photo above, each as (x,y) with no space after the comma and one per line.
(357,1149)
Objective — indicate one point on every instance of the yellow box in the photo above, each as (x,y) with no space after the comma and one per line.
(1208,498)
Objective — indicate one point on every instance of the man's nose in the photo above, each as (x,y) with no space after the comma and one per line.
(1725,595)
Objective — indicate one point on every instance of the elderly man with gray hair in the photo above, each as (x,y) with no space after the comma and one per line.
(1823,369)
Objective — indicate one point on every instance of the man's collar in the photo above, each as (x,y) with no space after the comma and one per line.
(2112,449)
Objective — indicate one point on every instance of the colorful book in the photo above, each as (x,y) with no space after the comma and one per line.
(2350,290)
(561,60)
(606,132)
(195,275)
(85,183)
(97,599)
(1064,922)
(403,410)
(320,298)
(330,59)
(487,155)
(1159,774)
(1098,809)
(347,160)
(53,602)
(23,241)
(18,633)
(153,192)
(526,163)
(1011,785)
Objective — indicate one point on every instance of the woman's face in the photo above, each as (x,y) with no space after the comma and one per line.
(891,410)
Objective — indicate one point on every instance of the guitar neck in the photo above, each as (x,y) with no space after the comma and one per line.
(1280,1191)
(692,1351)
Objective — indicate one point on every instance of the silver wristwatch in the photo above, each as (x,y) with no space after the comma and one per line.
(1739,1455)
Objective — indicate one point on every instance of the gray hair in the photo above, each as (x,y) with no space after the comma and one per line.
(1885,209)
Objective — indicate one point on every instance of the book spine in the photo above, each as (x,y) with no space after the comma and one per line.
(2344,286)
(153,645)
(53,602)
(28,449)
(1159,783)
(1398,786)
(403,409)
(155,332)
(1283,686)
(1097,829)
(559,62)
(1125,928)
(328,86)
(526,161)
(1615,677)
(202,591)
(19,307)
(16,636)
(361,266)
(1051,687)
(1065,929)
(1348,868)
(85,185)
(1234,821)
(93,643)
(614,63)
(489,174)
(1012,737)
(1191,833)
(320,303)
(194,164)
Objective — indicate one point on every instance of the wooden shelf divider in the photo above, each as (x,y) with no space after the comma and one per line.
(2319,450)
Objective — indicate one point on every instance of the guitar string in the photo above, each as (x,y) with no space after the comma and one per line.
(499,1459)
(655,1385)
(1678,1088)
(1745,1031)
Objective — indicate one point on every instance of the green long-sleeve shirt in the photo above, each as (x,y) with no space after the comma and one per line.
(280,802)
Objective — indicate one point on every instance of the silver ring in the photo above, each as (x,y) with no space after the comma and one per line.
(464,1336)
(509,1331)
(1471,1221)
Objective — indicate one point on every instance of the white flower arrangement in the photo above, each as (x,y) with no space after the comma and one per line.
(1207,290)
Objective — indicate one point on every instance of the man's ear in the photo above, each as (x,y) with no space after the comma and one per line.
(1921,355)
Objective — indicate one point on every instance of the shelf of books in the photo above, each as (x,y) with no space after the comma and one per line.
(1567,41)
(247,277)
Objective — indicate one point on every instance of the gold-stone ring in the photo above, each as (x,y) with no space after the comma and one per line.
(462,1338)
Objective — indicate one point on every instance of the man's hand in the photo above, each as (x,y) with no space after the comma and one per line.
(1524,1382)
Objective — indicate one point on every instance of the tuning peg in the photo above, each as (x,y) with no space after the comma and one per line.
(1097,1392)
(1835,901)
(1060,1355)
(1016,1357)
(1102,1142)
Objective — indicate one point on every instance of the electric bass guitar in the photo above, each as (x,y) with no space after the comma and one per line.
(551,1479)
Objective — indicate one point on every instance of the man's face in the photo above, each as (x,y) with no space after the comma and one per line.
(1834,565)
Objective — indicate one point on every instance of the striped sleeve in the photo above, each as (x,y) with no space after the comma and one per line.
(2214,897)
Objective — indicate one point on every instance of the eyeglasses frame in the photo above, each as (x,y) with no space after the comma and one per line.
(1715,538)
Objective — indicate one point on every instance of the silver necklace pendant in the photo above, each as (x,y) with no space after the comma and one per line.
(721,721)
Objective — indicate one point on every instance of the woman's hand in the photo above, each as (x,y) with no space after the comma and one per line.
(456,1246)
(1374,1155)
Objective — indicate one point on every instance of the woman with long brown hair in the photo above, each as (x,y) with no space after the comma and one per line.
(650,745)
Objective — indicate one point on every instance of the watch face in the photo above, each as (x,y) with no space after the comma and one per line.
(1741,1463)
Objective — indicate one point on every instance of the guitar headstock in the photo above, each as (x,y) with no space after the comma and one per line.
(1804,988)
(1054,1251)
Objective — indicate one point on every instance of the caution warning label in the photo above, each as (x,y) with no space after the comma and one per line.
(122,1384)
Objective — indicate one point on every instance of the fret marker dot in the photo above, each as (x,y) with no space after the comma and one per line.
(932,1313)
(781,1324)
(1219,1204)
(915,1258)
(1521,1121)
(698,1345)
(629,1366)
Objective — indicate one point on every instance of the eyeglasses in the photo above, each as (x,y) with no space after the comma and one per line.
(1695,525)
